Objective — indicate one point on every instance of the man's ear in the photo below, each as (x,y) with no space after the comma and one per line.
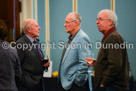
(110,22)
(76,22)
(28,29)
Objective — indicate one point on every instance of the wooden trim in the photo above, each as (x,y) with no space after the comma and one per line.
(36,14)
(75,6)
(10,13)
(47,28)
(113,5)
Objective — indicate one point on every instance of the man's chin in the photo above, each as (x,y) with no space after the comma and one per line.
(36,36)
(67,31)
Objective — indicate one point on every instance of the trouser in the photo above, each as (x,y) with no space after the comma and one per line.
(75,87)
(38,87)
(108,88)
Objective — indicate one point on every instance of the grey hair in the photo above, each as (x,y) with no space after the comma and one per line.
(111,15)
(77,17)
(26,23)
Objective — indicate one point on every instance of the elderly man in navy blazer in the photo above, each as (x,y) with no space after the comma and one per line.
(73,75)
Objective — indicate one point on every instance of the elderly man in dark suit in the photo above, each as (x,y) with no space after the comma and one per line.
(31,58)
(10,69)
(112,65)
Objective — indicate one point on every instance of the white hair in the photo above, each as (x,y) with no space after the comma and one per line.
(111,15)
(26,23)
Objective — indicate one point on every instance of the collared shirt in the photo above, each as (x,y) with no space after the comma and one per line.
(110,30)
(37,45)
(29,38)
(68,43)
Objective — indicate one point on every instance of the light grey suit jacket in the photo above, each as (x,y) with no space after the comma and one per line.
(73,67)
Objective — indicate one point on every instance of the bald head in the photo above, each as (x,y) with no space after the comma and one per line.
(74,16)
(72,23)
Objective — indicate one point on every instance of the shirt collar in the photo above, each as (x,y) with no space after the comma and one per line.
(109,31)
(72,37)
(29,38)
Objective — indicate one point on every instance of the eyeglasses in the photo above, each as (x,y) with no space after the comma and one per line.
(100,19)
(69,22)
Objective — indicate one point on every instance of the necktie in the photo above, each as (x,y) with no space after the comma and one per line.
(41,56)
(38,49)
(39,52)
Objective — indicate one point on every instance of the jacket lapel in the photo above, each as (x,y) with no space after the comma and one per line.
(33,47)
(68,49)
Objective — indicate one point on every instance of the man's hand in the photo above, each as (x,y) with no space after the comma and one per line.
(46,64)
(90,61)
(101,85)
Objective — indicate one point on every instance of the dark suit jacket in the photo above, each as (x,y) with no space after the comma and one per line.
(10,70)
(112,66)
(32,68)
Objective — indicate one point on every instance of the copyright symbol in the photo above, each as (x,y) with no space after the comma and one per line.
(5,45)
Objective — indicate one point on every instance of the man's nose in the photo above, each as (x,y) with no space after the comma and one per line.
(39,28)
(97,22)
(65,25)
